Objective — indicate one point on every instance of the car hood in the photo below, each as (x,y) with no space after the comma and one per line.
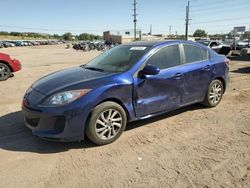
(66,79)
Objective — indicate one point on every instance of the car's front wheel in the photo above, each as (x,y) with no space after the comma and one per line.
(214,94)
(106,124)
(4,72)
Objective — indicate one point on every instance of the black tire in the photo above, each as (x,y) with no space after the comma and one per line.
(4,72)
(212,100)
(103,112)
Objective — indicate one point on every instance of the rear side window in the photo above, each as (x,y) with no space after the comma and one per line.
(194,53)
(204,54)
(166,57)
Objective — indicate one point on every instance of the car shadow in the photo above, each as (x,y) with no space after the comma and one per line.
(15,136)
(240,58)
(244,70)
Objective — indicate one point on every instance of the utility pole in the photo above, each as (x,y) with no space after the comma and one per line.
(248,37)
(170,30)
(150,29)
(134,15)
(187,20)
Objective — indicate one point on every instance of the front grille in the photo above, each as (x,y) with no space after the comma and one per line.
(60,123)
(32,122)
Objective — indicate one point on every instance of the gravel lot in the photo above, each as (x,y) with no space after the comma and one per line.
(190,147)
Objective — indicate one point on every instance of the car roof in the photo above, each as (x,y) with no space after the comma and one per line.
(156,43)
(150,43)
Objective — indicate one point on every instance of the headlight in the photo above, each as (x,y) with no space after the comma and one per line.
(64,97)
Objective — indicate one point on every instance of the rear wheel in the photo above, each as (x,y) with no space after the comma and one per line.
(4,72)
(106,124)
(214,94)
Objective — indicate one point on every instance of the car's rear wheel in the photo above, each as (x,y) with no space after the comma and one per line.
(214,94)
(4,72)
(106,124)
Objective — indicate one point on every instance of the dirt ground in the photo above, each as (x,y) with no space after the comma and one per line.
(190,147)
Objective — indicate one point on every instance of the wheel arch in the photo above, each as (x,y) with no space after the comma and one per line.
(223,82)
(118,102)
(115,100)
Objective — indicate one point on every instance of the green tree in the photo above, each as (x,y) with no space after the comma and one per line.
(84,36)
(4,33)
(200,33)
(67,36)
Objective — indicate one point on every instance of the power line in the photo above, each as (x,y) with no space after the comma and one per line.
(222,20)
(218,8)
(216,3)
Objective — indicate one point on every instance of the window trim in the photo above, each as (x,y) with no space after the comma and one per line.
(177,44)
(153,51)
(184,55)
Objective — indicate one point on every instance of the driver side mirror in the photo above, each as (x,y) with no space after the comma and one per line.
(150,70)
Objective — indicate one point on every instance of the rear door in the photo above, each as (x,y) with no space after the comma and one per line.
(197,73)
(157,93)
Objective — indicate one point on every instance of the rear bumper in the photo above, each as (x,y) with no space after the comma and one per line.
(57,126)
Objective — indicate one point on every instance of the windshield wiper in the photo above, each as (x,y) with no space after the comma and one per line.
(94,69)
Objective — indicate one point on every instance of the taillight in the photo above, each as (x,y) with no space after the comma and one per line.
(227,61)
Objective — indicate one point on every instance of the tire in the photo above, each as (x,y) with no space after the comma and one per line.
(4,72)
(214,94)
(106,124)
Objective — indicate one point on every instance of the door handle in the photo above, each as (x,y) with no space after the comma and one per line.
(207,67)
(178,75)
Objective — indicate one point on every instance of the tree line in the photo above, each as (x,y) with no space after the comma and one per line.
(66,36)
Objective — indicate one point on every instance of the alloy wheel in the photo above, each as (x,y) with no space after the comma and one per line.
(108,124)
(215,93)
(3,72)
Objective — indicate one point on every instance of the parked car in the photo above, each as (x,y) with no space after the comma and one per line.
(17,43)
(8,65)
(129,82)
(1,44)
(247,42)
(217,46)
(7,44)
(240,44)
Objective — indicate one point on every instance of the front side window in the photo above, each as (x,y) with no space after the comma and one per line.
(166,57)
(194,53)
(118,59)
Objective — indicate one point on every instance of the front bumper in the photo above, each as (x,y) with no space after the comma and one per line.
(58,125)
(16,65)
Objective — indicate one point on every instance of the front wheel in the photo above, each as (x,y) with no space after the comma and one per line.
(4,72)
(214,94)
(107,122)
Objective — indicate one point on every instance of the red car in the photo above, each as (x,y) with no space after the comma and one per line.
(8,65)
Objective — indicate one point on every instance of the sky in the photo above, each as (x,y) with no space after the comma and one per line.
(96,16)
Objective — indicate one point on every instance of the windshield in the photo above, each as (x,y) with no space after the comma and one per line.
(206,43)
(118,59)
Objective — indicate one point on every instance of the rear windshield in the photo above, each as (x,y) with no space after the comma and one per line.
(118,59)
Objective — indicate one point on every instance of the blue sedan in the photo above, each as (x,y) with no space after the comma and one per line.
(127,83)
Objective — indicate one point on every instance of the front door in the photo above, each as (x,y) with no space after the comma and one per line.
(157,93)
